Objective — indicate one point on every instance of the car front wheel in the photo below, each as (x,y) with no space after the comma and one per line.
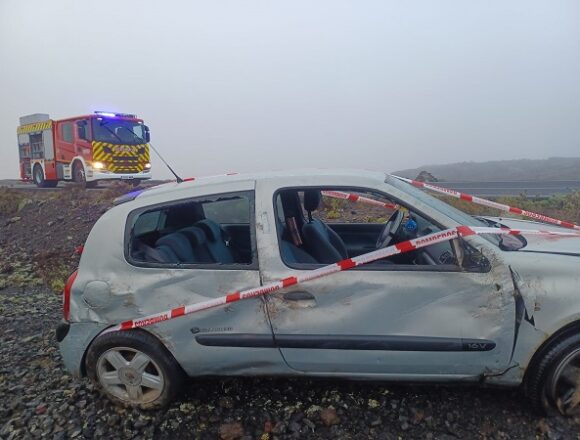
(134,369)
(553,383)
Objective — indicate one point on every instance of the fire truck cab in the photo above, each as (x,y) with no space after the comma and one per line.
(84,149)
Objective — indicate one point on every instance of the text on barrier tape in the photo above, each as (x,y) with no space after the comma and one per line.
(489,203)
(399,248)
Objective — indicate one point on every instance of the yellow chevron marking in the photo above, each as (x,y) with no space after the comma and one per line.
(118,154)
(36,126)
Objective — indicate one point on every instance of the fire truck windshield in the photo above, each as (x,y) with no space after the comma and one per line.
(118,131)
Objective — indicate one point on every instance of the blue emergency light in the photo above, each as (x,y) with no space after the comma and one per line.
(114,115)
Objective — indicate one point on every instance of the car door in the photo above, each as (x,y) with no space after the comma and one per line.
(398,321)
(198,340)
(82,143)
(65,141)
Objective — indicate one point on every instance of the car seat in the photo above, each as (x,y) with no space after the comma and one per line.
(217,243)
(320,241)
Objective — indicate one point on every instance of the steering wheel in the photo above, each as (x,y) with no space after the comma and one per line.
(389,230)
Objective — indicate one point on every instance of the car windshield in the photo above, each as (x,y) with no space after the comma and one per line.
(118,131)
(455,214)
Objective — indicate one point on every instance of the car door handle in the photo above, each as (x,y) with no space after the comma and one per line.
(298,296)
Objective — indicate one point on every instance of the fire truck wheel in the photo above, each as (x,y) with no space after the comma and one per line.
(79,174)
(41,182)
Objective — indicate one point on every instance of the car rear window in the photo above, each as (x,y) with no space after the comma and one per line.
(210,231)
(232,211)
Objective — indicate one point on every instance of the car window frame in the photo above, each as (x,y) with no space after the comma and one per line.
(371,267)
(127,242)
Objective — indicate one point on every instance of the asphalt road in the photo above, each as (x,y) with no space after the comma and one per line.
(12,183)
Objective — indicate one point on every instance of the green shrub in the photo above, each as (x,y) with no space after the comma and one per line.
(10,201)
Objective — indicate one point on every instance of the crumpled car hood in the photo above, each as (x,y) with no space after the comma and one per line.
(555,245)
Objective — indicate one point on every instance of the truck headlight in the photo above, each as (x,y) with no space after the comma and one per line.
(98,165)
(147,166)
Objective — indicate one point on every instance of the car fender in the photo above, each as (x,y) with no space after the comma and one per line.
(549,280)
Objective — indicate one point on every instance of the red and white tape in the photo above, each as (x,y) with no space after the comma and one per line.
(489,203)
(349,263)
(356,198)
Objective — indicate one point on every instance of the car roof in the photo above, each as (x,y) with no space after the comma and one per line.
(202,181)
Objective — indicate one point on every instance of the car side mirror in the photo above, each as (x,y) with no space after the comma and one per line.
(474,260)
(512,242)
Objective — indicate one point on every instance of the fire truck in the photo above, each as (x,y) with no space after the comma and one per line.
(84,149)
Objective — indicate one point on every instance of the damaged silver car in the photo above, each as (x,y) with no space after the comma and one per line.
(482,309)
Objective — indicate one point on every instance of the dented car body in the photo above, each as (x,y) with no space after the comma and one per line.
(469,310)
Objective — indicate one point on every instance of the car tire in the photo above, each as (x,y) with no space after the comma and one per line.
(133,369)
(553,381)
(39,180)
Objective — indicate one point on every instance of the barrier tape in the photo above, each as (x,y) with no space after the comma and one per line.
(349,263)
(489,203)
(356,198)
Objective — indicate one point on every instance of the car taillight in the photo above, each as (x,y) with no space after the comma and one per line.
(66,295)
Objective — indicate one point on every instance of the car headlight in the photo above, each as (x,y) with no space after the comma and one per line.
(98,165)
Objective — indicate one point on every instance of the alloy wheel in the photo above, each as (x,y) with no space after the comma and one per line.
(564,388)
(130,375)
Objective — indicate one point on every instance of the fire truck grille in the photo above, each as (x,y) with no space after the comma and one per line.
(121,158)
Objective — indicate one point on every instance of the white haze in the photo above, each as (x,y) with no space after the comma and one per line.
(253,85)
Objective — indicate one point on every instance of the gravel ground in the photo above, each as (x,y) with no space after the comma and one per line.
(40,400)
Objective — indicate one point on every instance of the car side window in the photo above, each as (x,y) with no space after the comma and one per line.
(214,231)
(228,211)
(325,225)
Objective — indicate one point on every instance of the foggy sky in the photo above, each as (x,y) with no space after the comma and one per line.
(250,85)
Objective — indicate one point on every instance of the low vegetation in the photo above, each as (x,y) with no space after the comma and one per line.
(563,207)
(552,169)
(39,231)
(10,201)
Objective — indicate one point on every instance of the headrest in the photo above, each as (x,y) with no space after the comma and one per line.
(178,243)
(212,230)
(195,235)
(311,199)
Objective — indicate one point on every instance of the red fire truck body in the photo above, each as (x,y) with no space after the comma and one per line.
(84,149)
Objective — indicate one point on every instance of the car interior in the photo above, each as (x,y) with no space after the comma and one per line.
(307,236)
(195,232)
(217,231)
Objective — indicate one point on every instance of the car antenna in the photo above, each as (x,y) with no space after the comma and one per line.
(177,178)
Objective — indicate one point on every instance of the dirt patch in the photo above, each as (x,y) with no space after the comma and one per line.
(40,231)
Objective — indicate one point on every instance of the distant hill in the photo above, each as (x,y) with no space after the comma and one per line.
(554,168)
